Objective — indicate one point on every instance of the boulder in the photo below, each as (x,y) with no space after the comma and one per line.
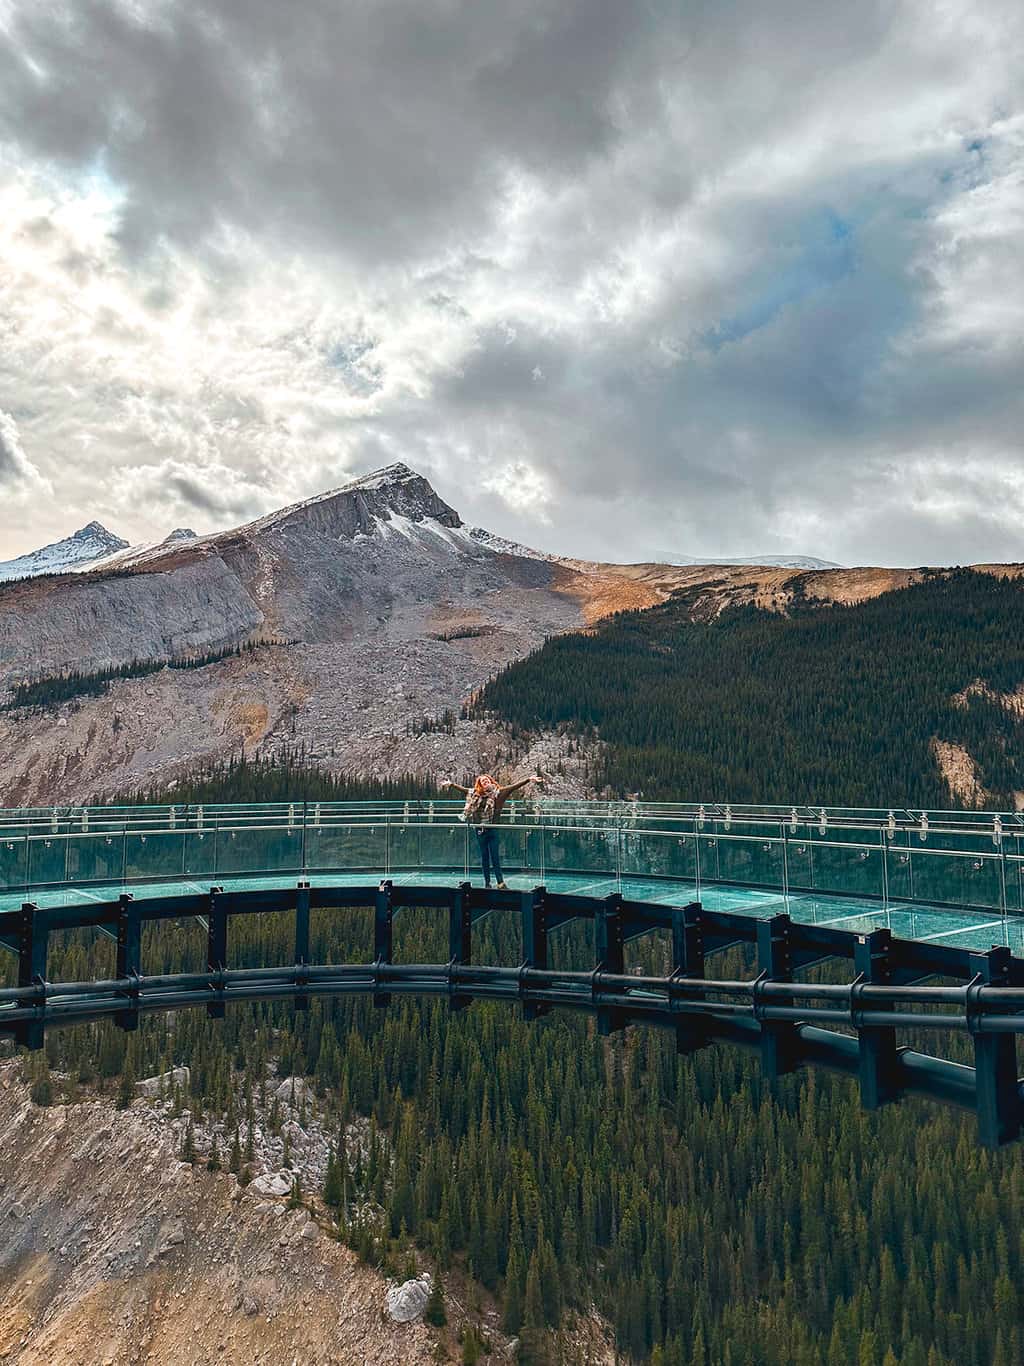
(408,1301)
(274,1183)
(284,1091)
(152,1085)
(172,1235)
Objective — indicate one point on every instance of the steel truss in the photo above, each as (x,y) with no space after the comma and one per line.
(791,1023)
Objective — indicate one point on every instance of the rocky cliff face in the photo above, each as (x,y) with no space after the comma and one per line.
(116,1252)
(384,608)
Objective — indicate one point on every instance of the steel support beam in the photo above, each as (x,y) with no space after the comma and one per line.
(383,935)
(535,943)
(780,1041)
(129,957)
(609,953)
(301,940)
(32,946)
(460,937)
(995,1057)
(878,1051)
(688,961)
(216,946)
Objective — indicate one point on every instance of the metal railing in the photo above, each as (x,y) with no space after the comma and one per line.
(968,859)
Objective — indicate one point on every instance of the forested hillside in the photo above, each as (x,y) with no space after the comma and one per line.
(837,705)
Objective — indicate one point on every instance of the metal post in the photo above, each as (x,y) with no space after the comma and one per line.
(460,937)
(535,942)
(609,955)
(129,957)
(779,1040)
(216,946)
(878,1051)
(301,934)
(688,961)
(995,1056)
(383,935)
(32,945)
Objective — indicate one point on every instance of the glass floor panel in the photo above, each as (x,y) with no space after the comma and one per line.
(966,929)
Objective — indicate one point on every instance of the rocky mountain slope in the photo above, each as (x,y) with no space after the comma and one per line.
(85,547)
(117,1252)
(374,607)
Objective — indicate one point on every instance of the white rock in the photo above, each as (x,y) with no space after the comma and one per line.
(151,1085)
(284,1091)
(274,1183)
(408,1301)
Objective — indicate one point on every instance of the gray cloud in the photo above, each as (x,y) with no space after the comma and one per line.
(723,278)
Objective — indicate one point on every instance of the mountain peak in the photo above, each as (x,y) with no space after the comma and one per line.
(361,506)
(88,544)
(396,473)
(96,531)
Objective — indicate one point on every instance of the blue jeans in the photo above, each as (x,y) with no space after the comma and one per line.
(487,837)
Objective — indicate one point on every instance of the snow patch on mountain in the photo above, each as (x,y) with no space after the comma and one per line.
(770,561)
(78,551)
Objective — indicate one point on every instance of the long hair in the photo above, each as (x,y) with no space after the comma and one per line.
(480,799)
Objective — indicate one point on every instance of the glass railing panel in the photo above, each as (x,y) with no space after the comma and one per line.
(842,867)
(200,853)
(443,846)
(357,846)
(47,860)
(581,850)
(1013,853)
(13,863)
(963,879)
(154,855)
(255,851)
(648,853)
(707,856)
(754,859)
(405,840)
(95,858)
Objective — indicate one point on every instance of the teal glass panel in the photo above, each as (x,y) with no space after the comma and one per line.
(707,857)
(348,846)
(12,863)
(751,859)
(964,879)
(442,847)
(659,854)
(406,842)
(842,868)
(95,858)
(1014,873)
(154,855)
(200,853)
(580,850)
(259,851)
(900,871)
(47,860)
(799,861)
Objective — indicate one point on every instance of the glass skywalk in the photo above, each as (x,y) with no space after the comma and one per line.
(949,877)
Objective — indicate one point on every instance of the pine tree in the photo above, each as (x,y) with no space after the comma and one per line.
(435,1311)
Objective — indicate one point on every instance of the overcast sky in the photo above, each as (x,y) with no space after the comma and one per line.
(701,276)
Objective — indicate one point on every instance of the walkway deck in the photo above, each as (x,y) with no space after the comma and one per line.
(976,930)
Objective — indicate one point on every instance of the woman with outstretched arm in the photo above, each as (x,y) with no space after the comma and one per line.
(484,802)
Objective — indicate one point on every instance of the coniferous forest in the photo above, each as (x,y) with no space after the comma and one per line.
(832,705)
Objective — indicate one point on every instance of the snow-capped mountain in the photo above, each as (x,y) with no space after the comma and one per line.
(769,561)
(87,545)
